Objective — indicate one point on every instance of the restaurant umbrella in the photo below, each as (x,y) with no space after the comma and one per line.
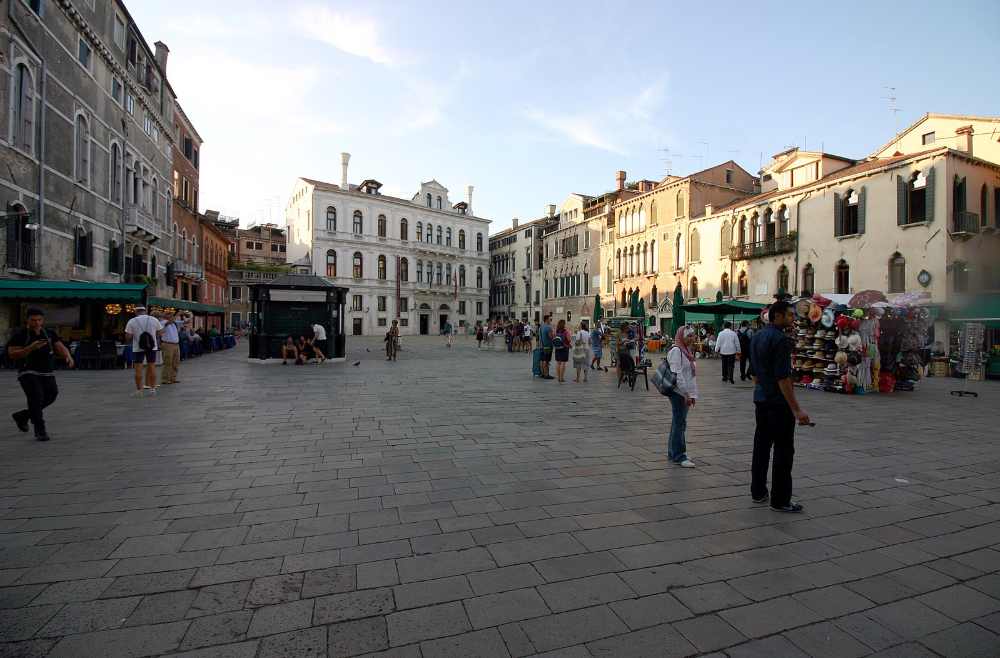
(719,317)
(642,312)
(678,319)
(598,311)
(634,303)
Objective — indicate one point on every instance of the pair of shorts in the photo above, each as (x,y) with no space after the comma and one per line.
(546,354)
(144,356)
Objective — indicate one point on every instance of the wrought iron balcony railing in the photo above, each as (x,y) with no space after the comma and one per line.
(778,245)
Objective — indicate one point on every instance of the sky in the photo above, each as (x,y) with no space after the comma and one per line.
(532,101)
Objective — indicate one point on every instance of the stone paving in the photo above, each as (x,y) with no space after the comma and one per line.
(450,505)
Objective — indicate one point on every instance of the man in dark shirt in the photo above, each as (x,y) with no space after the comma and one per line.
(776,409)
(744,334)
(33,348)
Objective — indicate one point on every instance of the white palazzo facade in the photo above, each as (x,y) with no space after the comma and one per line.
(424,260)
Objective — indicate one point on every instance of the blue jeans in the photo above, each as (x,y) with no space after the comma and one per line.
(676,445)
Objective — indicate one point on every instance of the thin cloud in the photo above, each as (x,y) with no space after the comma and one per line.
(354,35)
(577,128)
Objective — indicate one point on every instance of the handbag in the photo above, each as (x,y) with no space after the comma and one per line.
(664,379)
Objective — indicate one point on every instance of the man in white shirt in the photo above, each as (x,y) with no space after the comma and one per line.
(171,348)
(320,337)
(728,346)
(143,330)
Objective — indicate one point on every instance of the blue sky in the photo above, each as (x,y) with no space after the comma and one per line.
(532,101)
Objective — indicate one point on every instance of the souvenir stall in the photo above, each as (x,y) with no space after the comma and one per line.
(859,344)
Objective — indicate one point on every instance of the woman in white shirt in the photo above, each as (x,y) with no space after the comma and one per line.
(681,361)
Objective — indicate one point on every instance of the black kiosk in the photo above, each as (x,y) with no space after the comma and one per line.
(287,305)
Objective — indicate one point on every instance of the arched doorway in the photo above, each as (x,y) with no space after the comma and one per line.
(442,317)
(425,319)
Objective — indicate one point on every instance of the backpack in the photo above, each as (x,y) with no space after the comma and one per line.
(664,379)
(558,342)
(147,342)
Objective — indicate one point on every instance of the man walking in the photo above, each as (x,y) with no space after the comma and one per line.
(744,334)
(728,346)
(319,337)
(170,345)
(545,343)
(776,410)
(33,348)
(144,331)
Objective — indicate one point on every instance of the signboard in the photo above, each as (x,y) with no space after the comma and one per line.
(298,296)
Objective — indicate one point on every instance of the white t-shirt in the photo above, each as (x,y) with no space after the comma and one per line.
(319,331)
(143,323)
(583,335)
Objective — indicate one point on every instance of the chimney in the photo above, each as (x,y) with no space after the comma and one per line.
(514,223)
(965,144)
(708,210)
(468,197)
(344,159)
(550,210)
(161,55)
(620,180)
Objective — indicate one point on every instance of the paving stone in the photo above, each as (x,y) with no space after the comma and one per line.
(427,623)
(351,638)
(237,571)
(600,539)
(270,531)
(22,623)
(148,583)
(238,650)
(377,574)
(445,563)
(327,581)
(217,629)
(824,640)
(650,611)
(151,545)
(908,650)
(16,597)
(482,644)
(835,601)
(538,548)
(27,648)
(516,640)
(965,640)
(451,541)
(961,602)
(54,573)
(504,579)
(709,632)
(768,617)
(372,552)
(442,590)
(224,597)
(89,616)
(769,647)
(164,607)
(910,618)
(305,642)
(653,580)
(578,566)
(575,627)
(157,563)
(584,592)
(505,607)
(131,641)
(331,541)
(709,597)
(311,561)
(353,605)
(656,641)
(215,538)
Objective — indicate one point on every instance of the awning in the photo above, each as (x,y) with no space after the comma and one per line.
(707,312)
(71,290)
(194,307)
(984,308)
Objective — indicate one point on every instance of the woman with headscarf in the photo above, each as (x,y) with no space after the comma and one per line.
(681,361)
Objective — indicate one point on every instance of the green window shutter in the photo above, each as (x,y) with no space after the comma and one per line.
(861,211)
(929,196)
(838,215)
(900,200)
(996,207)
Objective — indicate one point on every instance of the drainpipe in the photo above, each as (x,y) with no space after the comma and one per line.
(798,238)
(124,197)
(40,137)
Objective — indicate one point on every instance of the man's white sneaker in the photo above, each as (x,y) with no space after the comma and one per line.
(687,463)
(137,394)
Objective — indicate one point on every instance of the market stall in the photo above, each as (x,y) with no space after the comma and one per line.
(859,344)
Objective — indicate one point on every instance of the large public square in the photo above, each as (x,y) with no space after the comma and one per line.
(449,504)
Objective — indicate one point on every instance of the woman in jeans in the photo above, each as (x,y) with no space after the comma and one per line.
(681,361)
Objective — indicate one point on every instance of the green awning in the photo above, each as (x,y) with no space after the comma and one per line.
(985,309)
(71,290)
(194,307)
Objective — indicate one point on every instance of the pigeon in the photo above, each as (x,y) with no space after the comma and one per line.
(357,363)
(368,349)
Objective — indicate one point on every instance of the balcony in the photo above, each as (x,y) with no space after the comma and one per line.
(141,224)
(965,225)
(21,255)
(186,269)
(773,247)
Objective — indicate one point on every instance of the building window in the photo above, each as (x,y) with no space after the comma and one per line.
(356,303)
(693,288)
(115,175)
(82,150)
(381,226)
(447,238)
(420,231)
(119,32)
(742,285)
(440,274)
(404,305)
(461,307)
(782,221)
(848,213)
(404,270)
(729,176)
(680,204)
(695,248)
(897,273)
(114,257)
(439,233)
(479,242)
(429,199)
(358,265)
(808,279)
(83,247)
(724,286)
(677,252)
(380,301)
(381,268)
(479,308)
(782,279)
(130,104)
(358,222)
(404,229)
(461,239)
(927,138)
(961,277)
(983,205)
(461,275)
(331,263)
(439,203)
(24,109)
(36,6)
(842,277)
(83,53)
(429,236)
(331,218)
(274,248)
(381,321)
(479,277)
(420,271)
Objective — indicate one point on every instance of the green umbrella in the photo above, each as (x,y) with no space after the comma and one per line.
(719,318)
(642,311)
(678,319)
(598,311)
(634,306)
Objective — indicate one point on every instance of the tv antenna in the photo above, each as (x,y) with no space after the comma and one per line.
(893,107)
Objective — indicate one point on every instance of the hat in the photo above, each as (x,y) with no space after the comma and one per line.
(815,313)
(827,317)
(840,358)
(832,370)
(823,302)
(842,342)
(854,341)
(853,358)
(802,308)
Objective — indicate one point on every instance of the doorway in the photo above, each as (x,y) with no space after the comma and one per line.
(444,321)
(357,326)
(425,325)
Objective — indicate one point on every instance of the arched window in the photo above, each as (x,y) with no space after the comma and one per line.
(621,224)
(82,142)
(742,285)
(447,275)
(174,242)
(382,227)
(429,269)
(461,275)
(430,233)
(420,271)
(618,264)
(916,192)
(897,273)
(194,250)
(726,238)
(331,218)
(655,257)
(693,288)
(642,218)
(624,302)
(743,230)
(808,279)
(724,286)
(849,221)
(447,237)
(631,260)
(654,296)
(115,175)
(439,234)
(331,263)
(645,258)
(782,279)
(479,277)
(358,265)
(842,277)
(404,229)
(439,203)
(461,239)
(758,228)
(783,221)
(358,223)
(680,203)
(677,252)
(420,231)
(652,213)
(184,245)
(440,274)
(114,257)
(381,268)
(155,201)
(694,250)
(24,109)
(404,270)
(81,249)
(479,242)
(429,199)
(770,229)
